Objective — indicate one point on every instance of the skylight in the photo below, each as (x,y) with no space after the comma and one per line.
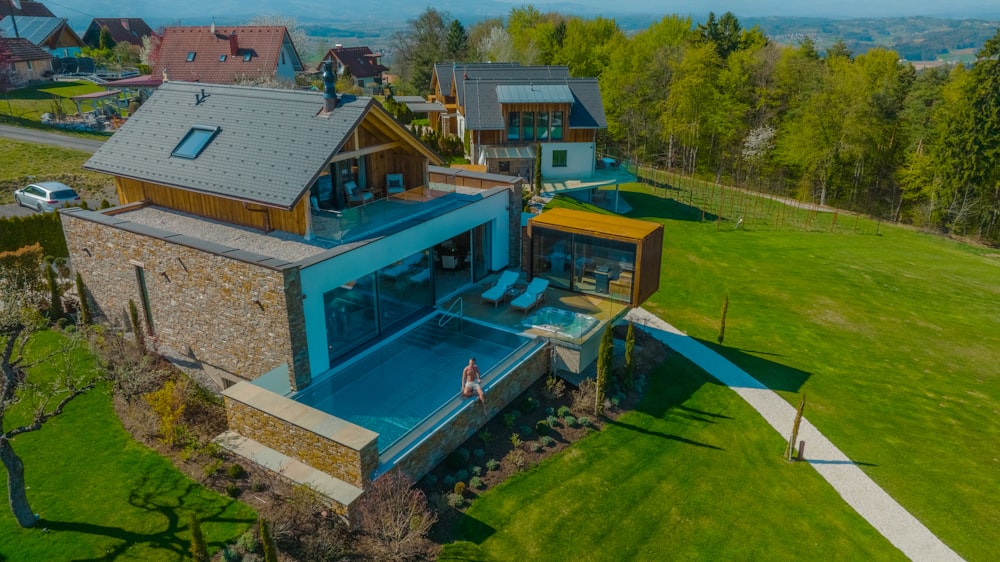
(190,57)
(247,55)
(195,141)
(222,58)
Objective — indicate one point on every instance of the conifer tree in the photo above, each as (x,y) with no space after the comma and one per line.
(199,548)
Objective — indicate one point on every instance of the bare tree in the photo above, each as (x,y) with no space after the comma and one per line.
(395,518)
(20,319)
(300,39)
(497,46)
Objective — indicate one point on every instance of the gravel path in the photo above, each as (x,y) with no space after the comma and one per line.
(858,490)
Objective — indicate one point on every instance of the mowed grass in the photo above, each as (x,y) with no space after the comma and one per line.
(693,473)
(32,101)
(100,494)
(894,337)
(24,162)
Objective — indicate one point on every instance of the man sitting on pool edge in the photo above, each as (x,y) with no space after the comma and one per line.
(471,380)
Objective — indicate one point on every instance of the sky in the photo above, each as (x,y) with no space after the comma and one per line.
(80,12)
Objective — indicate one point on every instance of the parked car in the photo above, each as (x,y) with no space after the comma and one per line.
(47,196)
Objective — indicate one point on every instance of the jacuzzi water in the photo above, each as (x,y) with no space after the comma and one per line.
(565,323)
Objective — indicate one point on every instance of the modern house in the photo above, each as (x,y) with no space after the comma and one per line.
(359,63)
(226,55)
(31,62)
(49,33)
(122,30)
(306,253)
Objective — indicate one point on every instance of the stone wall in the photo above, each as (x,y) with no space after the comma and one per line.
(322,441)
(226,311)
(425,456)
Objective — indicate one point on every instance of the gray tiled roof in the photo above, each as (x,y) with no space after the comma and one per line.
(483,111)
(271,144)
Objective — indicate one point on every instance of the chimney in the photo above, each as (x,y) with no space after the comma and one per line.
(125,25)
(211,28)
(165,77)
(234,44)
(338,46)
(329,87)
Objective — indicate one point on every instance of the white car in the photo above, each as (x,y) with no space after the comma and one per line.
(47,196)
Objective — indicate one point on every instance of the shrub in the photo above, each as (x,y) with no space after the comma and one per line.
(477,483)
(492,464)
(563,411)
(516,459)
(534,446)
(630,357)
(479,453)
(235,471)
(547,441)
(44,229)
(553,421)
(555,387)
(510,417)
(515,440)
(529,404)
(570,421)
(105,204)
(430,480)
(485,436)
(541,426)
(212,468)
(248,541)
(462,475)
(550,411)
(86,316)
(258,485)
(267,543)
(230,554)
(526,430)
(458,458)
(585,396)
(394,518)
(55,294)
(456,500)
(459,488)
(477,470)
(232,490)
(449,481)
(133,315)
(584,421)
(168,403)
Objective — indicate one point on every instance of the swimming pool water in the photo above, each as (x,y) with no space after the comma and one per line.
(402,382)
(562,322)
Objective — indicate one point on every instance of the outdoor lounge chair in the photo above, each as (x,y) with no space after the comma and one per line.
(394,184)
(356,196)
(498,292)
(534,294)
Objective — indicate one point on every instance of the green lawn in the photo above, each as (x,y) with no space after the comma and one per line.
(101,495)
(24,107)
(893,334)
(693,474)
(24,162)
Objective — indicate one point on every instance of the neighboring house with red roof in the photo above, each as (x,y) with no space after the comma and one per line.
(48,33)
(28,8)
(360,63)
(30,61)
(226,55)
(122,30)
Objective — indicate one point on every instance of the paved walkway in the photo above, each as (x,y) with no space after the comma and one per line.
(858,490)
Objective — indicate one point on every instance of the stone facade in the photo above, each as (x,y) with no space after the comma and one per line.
(324,442)
(223,310)
(425,456)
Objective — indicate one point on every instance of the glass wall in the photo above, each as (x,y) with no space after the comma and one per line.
(585,264)
(405,288)
(350,315)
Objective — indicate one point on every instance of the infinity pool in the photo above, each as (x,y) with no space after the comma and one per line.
(397,385)
(565,323)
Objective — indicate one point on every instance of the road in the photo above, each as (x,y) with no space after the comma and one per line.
(42,137)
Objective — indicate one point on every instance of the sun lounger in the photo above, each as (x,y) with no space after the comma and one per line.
(534,294)
(498,292)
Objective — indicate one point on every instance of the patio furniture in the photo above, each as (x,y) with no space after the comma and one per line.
(498,292)
(394,184)
(534,294)
(357,196)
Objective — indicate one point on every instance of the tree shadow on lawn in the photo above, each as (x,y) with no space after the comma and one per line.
(645,431)
(649,205)
(172,502)
(772,375)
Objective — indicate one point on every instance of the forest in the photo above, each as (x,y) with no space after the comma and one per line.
(865,133)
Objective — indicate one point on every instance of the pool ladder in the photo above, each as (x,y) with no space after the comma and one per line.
(450,314)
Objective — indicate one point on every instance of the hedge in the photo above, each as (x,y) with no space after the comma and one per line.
(43,228)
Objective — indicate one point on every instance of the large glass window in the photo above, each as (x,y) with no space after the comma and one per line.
(404,288)
(529,125)
(557,125)
(585,264)
(542,125)
(350,315)
(513,126)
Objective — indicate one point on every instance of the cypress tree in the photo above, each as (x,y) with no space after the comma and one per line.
(133,314)
(55,299)
(795,428)
(538,169)
(629,356)
(267,543)
(604,360)
(85,314)
(722,325)
(199,548)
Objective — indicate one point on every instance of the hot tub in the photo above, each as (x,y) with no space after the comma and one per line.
(561,322)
